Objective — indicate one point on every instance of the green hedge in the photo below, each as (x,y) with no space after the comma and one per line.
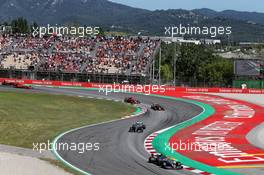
(256,84)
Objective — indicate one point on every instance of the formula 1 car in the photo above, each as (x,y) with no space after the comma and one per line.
(157,159)
(157,107)
(137,127)
(165,162)
(8,83)
(16,85)
(22,86)
(131,100)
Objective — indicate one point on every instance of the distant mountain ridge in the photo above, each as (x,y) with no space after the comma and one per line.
(253,17)
(64,11)
(247,26)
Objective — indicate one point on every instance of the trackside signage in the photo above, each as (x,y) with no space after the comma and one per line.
(145,88)
(229,126)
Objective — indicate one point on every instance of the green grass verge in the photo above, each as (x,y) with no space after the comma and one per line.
(27,118)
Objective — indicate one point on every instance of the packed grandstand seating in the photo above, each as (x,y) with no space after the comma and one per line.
(74,45)
(30,43)
(144,58)
(19,60)
(67,62)
(5,42)
(68,54)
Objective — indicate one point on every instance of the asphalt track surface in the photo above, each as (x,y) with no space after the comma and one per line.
(121,152)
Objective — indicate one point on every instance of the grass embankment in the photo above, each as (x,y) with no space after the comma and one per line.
(27,118)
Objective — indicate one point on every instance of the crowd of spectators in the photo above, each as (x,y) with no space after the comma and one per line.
(19,60)
(114,55)
(142,62)
(75,45)
(5,41)
(31,43)
(91,55)
(66,62)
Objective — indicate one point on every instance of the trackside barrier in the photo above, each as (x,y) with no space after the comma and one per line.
(164,90)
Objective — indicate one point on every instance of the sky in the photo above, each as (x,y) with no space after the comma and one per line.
(219,5)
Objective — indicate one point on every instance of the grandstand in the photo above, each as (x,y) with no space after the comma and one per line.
(5,42)
(19,61)
(98,55)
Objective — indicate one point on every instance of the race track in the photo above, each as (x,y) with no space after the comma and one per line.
(122,153)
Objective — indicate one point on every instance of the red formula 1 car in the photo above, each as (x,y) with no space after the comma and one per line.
(131,100)
(16,85)
(22,86)
(8,83)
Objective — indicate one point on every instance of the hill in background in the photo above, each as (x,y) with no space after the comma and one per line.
(246,26)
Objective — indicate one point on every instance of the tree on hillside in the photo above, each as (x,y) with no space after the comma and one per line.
(20,25)
(217,73)
(195,63)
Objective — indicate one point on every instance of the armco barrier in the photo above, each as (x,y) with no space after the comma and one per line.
(135,88)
